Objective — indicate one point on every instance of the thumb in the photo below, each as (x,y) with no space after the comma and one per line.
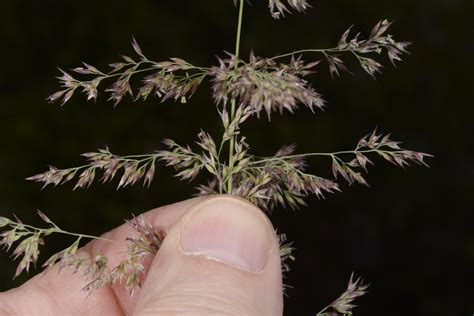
(221,258)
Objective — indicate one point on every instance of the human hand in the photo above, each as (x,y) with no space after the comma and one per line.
(220,257)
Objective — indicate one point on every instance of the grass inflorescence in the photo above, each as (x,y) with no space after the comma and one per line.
(242,89)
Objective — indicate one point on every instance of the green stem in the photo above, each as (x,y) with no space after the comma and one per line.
(323,51)
(320,154)
(233,101)
(323,310)
(58,230)
(239,28)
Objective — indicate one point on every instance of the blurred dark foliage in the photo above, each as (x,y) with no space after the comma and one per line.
(410,235)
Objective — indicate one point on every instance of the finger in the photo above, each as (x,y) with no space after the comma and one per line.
(221,258)
(60,292)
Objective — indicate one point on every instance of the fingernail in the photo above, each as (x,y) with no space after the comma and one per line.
(230,231)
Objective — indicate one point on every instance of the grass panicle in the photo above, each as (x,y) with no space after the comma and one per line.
(242,89)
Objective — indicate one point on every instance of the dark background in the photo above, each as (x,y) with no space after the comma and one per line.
(410,235)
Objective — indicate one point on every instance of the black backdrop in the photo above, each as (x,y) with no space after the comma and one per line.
(410,235)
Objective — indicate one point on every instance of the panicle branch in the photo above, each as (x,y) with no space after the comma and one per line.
(379,144)
(30,238)
(343,304)
(129,271)
(173,79)
(379,41)
(135,168)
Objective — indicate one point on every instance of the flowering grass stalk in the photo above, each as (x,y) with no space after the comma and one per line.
(241,89)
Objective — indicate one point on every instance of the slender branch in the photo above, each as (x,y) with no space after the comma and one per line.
(58,230)
(233,101)
(54,230)
(302,51)
(323,310)
(347,152)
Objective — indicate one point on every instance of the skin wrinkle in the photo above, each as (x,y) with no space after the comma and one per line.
(180,296)
(176,298)
(196,310)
